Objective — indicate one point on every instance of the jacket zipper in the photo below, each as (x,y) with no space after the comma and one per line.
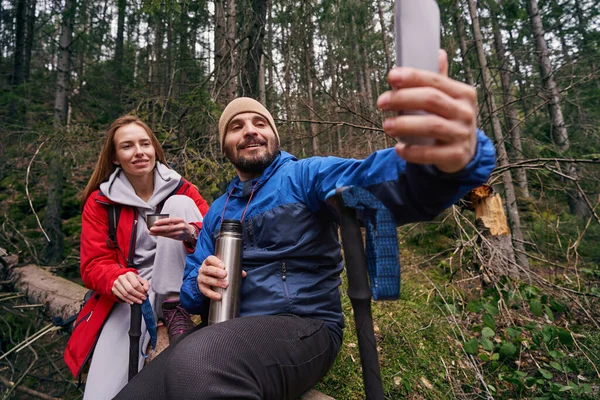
(85,318)
(286,291)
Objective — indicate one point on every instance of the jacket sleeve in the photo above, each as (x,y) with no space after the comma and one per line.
(412,192)
(191,297)
(99,265)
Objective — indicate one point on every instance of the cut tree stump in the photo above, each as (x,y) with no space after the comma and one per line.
(497,252)
(62,298)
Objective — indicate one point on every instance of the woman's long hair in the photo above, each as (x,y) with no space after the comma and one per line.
(105,166)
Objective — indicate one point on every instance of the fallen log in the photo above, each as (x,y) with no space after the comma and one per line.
(62,298)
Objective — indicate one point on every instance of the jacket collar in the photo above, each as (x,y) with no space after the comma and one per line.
(242,189)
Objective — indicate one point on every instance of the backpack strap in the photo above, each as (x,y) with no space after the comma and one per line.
(114,212)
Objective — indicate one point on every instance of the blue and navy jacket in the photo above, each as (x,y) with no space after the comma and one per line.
(291,251)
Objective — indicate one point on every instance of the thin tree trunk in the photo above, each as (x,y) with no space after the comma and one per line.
(367,74)
(64,65)
(309,82)
(384,36)
(168,81)
(261,81)
(269,56)
(331,62)
(225,22)
(29,39)
(509,101)
(157,55)
(560,135)
(121,5)
(511,201)
(21,21)
(462,44)
(251,74)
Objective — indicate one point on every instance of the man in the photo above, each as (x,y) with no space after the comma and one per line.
(291,324)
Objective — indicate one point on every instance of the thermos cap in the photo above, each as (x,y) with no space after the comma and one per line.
(231,226)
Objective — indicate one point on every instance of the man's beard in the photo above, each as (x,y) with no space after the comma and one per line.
(253,164)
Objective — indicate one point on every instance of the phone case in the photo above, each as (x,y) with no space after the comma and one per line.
(417,43)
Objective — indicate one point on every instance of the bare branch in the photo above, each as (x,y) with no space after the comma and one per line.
(27,189)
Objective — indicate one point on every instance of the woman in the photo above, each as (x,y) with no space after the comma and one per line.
(131,180)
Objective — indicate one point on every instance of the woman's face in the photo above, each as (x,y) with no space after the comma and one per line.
(134,151)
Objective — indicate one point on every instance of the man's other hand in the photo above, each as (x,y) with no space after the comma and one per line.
(212,274)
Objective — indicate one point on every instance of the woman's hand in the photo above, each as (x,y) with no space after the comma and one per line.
(212,274)
(451,118)
(174,228)
(131,288)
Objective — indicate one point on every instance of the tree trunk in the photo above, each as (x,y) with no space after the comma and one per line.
(509,101)
(310,56)
(121,6)
(560,135)
(513,211)
(21,19)
(251,74)
(64,64)
(497,257)
(168,82)
(462,44)
(29,38)
(384,36)
(225,23)
(269,59)
(158,55)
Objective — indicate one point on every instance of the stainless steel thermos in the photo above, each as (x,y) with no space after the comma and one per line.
(229,250)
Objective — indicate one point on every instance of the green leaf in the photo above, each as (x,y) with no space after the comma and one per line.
(471,346)
(474,306)
(536,307)
(565,337)
(548,333)
(508,349)
(488,321)
(495,356)
(484,357)
(545,373)
(513,332)
(487,332)
(487,344)
(556,354)
(566,388)
(556,366)
(549,313)
(556,306)
(491,309)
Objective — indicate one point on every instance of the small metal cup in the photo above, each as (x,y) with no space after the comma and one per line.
(152,218)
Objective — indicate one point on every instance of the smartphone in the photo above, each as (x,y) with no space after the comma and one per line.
(417,43)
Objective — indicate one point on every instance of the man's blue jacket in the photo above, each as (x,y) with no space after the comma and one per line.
(291,251)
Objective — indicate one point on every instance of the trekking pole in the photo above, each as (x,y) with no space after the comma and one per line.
(359,292)
(135,331)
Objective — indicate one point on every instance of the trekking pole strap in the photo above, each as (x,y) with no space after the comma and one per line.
(381,242)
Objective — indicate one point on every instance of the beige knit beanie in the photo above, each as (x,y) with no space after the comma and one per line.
(239,106)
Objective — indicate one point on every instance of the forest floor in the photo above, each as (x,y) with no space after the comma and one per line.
(440,341)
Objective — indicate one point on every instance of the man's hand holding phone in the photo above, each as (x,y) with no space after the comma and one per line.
(450,120)
(436,115)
